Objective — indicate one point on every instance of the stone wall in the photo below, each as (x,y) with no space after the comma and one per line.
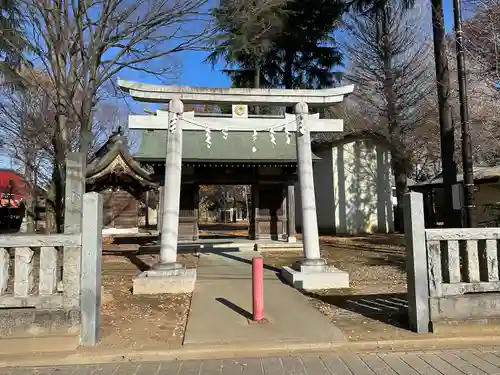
(453,274)
(50,284)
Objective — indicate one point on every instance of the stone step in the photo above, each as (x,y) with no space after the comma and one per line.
(279,246)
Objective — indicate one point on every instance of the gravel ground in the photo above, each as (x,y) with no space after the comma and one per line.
(375,306)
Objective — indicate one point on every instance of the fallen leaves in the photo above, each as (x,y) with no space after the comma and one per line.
(140,321)
(374,306)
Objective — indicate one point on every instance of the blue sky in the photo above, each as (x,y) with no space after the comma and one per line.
(195,72)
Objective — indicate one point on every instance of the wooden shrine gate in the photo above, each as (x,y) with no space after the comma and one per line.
(269,215)
(270,193)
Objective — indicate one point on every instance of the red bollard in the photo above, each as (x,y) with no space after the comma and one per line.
(258,288)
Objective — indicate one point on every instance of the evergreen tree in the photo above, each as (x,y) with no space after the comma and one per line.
(246,29)
(302,54)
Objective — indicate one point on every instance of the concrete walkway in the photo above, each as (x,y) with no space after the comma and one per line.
(222,303)
(447,362)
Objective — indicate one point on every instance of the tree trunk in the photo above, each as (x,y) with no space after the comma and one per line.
(29,210)
(58,180)
(288,75)
(85,138)
(59,201)
(50,213)
(401,181)
(54,205)
(256,84)
(29,176)
(398,154)
(449,169)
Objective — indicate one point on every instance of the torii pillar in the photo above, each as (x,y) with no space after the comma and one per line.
(313,272)
(168,276)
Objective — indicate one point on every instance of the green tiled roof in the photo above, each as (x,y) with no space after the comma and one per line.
(237,147)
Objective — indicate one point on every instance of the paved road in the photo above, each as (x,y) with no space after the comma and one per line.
(449,362)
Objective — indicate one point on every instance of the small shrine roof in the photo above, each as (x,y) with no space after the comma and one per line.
(114,158)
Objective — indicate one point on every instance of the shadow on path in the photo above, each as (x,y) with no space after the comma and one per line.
(390,309)
(247,261)
(234,307)
(141,266)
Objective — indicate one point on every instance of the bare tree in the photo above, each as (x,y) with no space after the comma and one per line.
(82,45)
(390,64)
(481,34)
(225,196)
(28,127)
(26,124)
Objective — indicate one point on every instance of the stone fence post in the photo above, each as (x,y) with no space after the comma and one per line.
(90,298)
(416,263)
(75,187)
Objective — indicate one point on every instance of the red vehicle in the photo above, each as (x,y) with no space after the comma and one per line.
(12,194)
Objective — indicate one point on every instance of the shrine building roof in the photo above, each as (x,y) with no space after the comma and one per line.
(113,162)
(236,148)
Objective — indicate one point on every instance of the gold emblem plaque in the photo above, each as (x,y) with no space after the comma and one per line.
(239,110)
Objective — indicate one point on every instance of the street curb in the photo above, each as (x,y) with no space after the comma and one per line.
(200,352)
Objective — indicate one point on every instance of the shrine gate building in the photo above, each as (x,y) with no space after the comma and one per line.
(270,171)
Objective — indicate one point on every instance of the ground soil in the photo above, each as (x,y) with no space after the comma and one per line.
(374,307)
(139,321)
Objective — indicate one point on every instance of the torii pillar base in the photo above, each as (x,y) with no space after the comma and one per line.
(165,280)
(309,277)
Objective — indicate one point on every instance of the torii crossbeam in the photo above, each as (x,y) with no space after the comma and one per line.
(313,273)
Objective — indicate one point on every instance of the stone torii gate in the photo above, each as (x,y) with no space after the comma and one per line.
(168,276)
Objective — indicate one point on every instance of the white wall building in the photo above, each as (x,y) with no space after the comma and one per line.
(353,185)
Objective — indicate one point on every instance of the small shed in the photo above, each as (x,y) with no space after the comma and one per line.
(115,174)
(487,195)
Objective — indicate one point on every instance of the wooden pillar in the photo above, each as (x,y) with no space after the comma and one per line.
(254,215)
(188,212)
(159,214)
(290,210)
(271,221)
(147,209)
